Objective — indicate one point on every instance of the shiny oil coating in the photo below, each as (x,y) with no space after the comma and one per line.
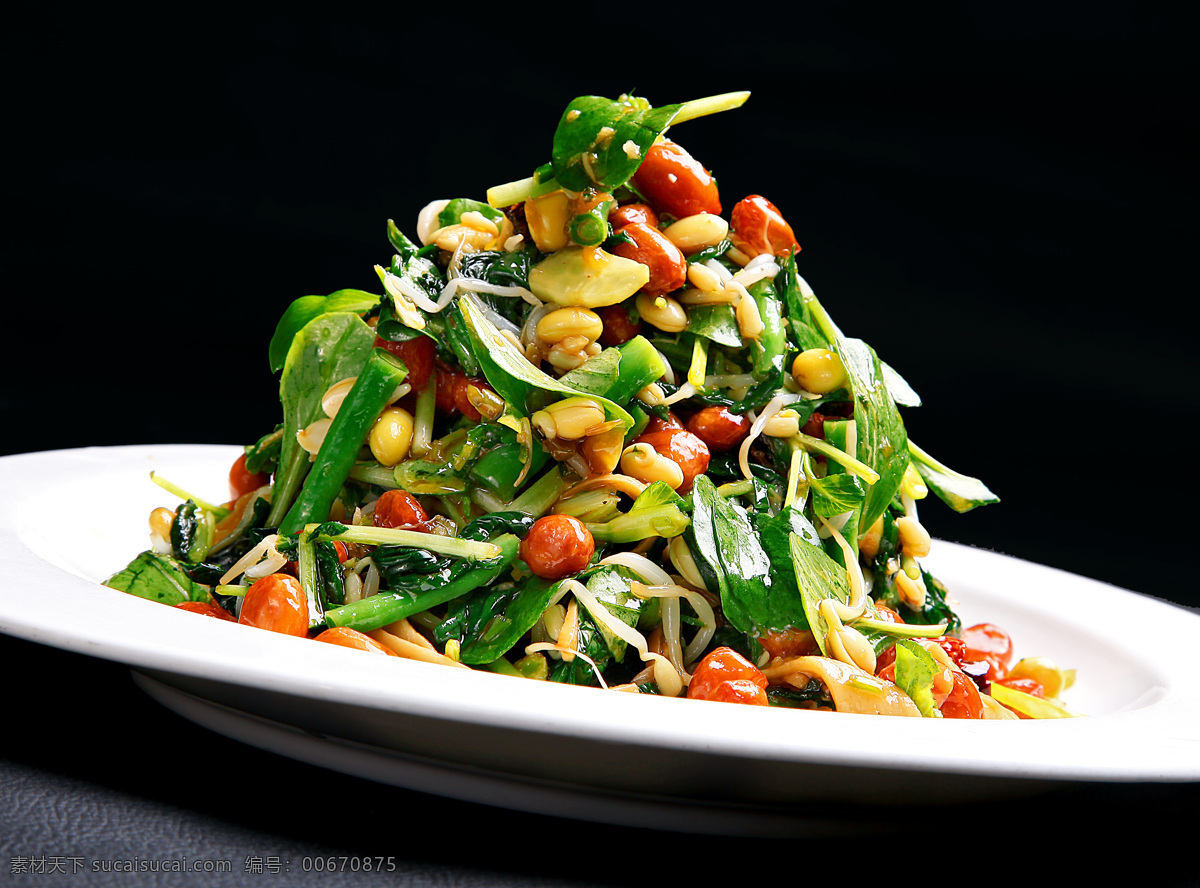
(682,447)
(276,603)
(675,182)
(557,546)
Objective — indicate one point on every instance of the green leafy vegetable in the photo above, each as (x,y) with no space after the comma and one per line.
(768,350)
(715,322)
(601,142)
(882,441)
(611,586)
(417,593)
(308,308)
(157,578)
(915,671)
(657,512)
(751,598)
(525,387)
(452,213)
(488,622)
(191,532)
(960,492)
(817,577)
(327,349)
(617,373)
(371,391)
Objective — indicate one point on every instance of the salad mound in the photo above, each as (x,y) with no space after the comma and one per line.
(592,430)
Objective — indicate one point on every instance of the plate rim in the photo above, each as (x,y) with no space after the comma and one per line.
(1169,728)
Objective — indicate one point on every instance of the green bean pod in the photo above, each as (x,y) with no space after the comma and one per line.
(349,429)
(441,586)
(771,346)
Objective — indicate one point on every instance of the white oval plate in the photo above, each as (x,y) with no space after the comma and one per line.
(580,751)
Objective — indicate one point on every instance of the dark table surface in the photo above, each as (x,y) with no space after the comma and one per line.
(95,775)
(989,195)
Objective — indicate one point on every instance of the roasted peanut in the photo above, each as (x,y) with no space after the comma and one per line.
(650,247)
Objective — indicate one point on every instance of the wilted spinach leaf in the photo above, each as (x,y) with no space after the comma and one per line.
(600,142)
(157,578)
(751,598)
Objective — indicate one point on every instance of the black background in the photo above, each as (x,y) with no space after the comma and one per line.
(997,197)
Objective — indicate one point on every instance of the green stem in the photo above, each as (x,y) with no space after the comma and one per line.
(541,182)
(423,417)
(769,349)
(710,105)
(310,581)
(902,630)
(665,521)
(736,488)
(287,481)
(374,473)
(477,550)
(171,487)
(540,495)
(851,464)
(488,501)
(503,667)
(699,366)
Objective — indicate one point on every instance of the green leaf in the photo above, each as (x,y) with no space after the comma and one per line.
(400,241)
(489,622)
(717,323)
(960,492)
(263,455)
(611,585)
(525,387)
(802,330)
(751,598)
(837,493)
(902,393)
(600,142)
(619,372)
(328,349)
(417,272)
(305,309)
(503,269)
(452,213)
(503,463)
(191,532)
(595,376)
(882,441)
(591,644)
(157,578)
(775,533)
(817,577)
(768,350)
(915,671)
